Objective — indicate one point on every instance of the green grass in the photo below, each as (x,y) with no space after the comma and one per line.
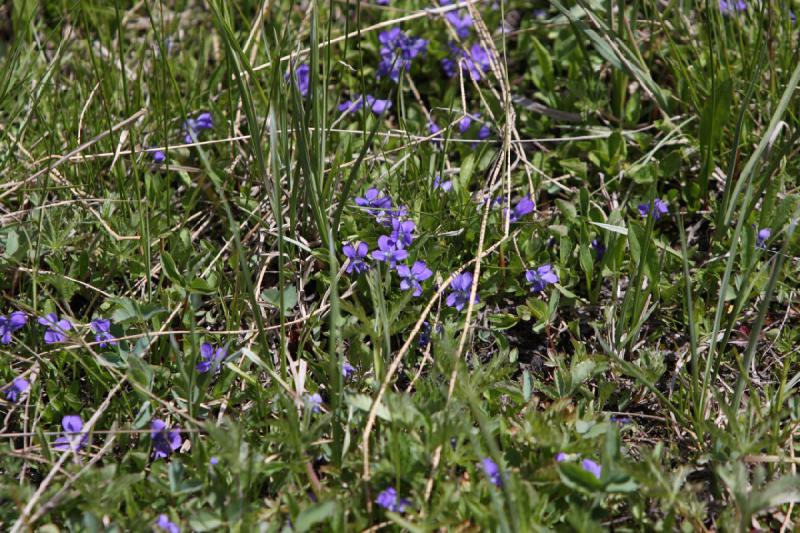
(685,327)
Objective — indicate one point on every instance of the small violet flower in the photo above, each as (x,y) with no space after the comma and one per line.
(376,105)
(302,75)
(397,50)
(461,287)
(210,358)
(56,329)
(524,207)
(192,127)
(411,277)
(660,209)
(375,203)
(462,25)
(314,401)
(16,389)
(165,441)
(163,524)
(389,251)
(72,438)
(214,460)
(561,457)
(728,7)
(347,369)
(492,471)
(403,232)
(159,156)
(444,186)
(11,323)
(101,328)
(388,500)
(355,257)
(762,237)
(541,277)
(591,467)
(599,248)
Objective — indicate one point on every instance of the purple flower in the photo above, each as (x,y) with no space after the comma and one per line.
(378,106)
(461,287)
(347,369)
(376,204)
(461,24)
(397,50)
(165,441)
(599,248)
(16,389)
(214,460)
(761,238)
(72,438)
(445,186)
(476,61)
(102,327)
(561,457)
(591,467)
(660,209)
(56,329)
(403,232)
(355,257)
(621,420)
(541,277)
(464,124)
(484,132)
(314,401)
(729,7)
(302,76)
(158,156)
(193,126)
(8,325)
(163,524)
(411,277)
(522,208)
(210,358)
(388,500)
(389,251)
(492,471)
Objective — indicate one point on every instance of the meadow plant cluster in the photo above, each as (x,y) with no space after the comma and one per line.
(474,265)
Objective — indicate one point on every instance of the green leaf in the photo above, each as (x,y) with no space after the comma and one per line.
(168,265)
(313,515)
(272,297)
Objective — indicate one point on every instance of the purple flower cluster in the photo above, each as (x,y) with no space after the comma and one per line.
(476,61)
(163,524)
(660,209)
(397,50)
(11,323)
(462,24)
(193,126)
(389,500)
(376,105)
(392,248)
(484,131)
(728,7)
(314,402)
(587,464)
